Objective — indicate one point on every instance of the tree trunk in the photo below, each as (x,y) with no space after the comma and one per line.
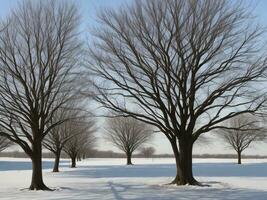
(37,176)
(129,158)
(73,162)
(183,159)
(239,157)
(57,160)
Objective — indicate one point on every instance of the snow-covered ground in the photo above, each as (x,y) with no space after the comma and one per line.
(110,179)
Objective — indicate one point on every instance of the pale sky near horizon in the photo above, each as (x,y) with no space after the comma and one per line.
(88,9)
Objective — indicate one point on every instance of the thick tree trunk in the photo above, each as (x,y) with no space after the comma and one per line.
(239,157)
(37,176)
(73,162)
(129,158)
(56,163)
(183,159)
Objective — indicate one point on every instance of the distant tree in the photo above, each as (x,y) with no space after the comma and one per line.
(82,132)
(241,132)
(183,66)
(148,152)
(86,152)
(4,143)
(127,134)
(39,49)
(56,138)
(59,135)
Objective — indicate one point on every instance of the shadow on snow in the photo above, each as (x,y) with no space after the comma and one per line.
(168,170)
(24,165)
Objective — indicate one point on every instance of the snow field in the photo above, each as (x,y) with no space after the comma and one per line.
(107,179)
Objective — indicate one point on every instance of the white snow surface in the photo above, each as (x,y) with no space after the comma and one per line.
(108,178)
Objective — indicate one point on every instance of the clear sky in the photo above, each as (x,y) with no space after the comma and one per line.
(88,9)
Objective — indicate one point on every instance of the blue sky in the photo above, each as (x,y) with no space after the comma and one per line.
(88,9)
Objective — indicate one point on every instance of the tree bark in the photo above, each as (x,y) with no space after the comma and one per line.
(239,157)
(37,176)
(129,158)
(56,163)
(73,162)
(183,159)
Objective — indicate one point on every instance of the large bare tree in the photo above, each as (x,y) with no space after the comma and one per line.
(38,55)
(243,131)
(127,134)
(184,66)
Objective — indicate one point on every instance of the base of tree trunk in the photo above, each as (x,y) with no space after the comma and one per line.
(56,162)
(193,181)
(129,158)
(37,182)
(40,187)
(73,162)
(239,158)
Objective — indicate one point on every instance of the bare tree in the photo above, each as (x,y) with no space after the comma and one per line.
(182,66)
(38,55)
(56,138)
(127,134)
(4,143)
(148,152)
(244,131)
(59,135)
(83,138)
(87,151)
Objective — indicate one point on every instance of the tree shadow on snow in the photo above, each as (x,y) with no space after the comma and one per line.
(125,191)
(137,191)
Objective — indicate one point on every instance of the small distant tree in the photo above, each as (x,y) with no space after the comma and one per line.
(4,143)
(60,135)
(241,132)
(86,152)
(127,134)
(83,138)
(148,152)
(56,139)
